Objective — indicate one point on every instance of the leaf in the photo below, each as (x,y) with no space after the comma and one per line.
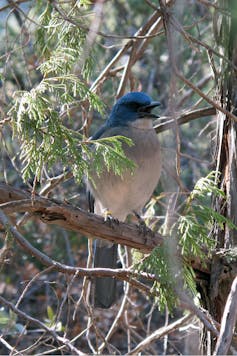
(50,314)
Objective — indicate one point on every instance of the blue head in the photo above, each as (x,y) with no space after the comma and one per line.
(130,107)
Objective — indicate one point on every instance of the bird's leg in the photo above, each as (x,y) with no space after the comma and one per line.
(143,228)
(108,218)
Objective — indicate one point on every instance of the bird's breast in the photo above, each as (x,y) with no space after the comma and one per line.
(122,195)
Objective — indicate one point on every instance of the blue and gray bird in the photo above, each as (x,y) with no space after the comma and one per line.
(131,117)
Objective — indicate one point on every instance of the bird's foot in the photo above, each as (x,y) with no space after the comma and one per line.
(142,227)
(109,219)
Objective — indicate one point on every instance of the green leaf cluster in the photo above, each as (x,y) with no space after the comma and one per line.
(61,40)
(157,264)
(39,116)
(195,224)
(191,234)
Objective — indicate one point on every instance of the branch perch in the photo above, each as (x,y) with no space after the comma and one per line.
(13,200)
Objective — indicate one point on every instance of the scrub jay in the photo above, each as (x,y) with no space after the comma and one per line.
(131,117)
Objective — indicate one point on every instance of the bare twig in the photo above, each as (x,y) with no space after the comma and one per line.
(7,345)
(11,4)
(116,320)
(124,49)
(160,333)
(56,337)
(202,82)
(170,23)
(184,118)
(187,303)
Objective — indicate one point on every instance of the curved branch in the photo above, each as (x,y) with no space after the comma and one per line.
(184,118)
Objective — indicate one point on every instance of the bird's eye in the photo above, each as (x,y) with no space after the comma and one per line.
(134,106)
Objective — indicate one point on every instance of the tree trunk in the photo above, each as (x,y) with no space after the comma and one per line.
(224,266)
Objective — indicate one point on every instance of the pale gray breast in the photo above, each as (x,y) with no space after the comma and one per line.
(122,195)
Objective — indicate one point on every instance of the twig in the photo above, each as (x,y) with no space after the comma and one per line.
(56,337)
(168,22)
(228,322)
(7,345)
(201,83)
(75,22)
(54,181)
(123,50)
(10,5)
(187,303)
(160,333)
(30,283)
(116,320)
(184,118)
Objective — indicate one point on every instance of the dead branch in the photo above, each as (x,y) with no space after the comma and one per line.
(169,27)
(139,42)
(13,200)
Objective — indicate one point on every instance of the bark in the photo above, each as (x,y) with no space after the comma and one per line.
(14,200)
(223,267)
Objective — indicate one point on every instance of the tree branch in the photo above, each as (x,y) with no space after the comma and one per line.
(13,200)
(161,332)
(61,340)
(123,274)
(184,118)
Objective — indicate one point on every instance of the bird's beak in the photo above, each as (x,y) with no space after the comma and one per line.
(145,111)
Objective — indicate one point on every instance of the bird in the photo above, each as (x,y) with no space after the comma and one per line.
(132,117)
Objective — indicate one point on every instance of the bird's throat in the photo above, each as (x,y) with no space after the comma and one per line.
(145,123)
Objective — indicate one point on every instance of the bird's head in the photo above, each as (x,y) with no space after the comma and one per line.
(131,107)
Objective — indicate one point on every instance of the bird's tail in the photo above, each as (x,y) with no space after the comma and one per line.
(104,290)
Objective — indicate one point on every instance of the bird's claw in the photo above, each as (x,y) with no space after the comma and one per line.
(142,227)
(110,220)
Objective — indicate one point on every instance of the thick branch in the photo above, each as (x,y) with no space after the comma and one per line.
(71,218)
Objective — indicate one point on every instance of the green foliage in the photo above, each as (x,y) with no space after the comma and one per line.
(111,150)
(8,323)
(157,264)
(191,235)
(51,320)
(38,116)
(62,41)
(195,224)
(45,140)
